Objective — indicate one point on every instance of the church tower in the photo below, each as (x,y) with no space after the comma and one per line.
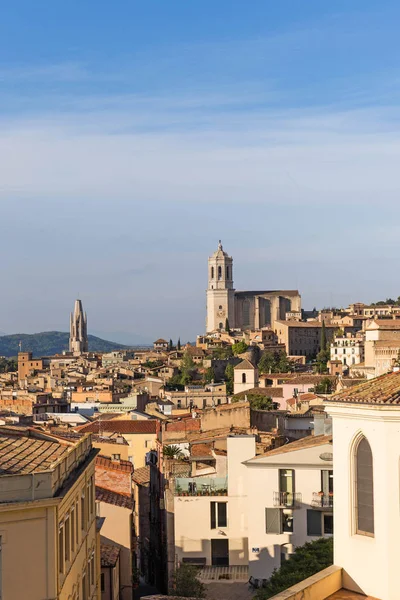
(78,339)
(220,292)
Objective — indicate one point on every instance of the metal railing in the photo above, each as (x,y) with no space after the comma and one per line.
(322,500)
(287,499)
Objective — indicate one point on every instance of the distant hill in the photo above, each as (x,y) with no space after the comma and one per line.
(48,343)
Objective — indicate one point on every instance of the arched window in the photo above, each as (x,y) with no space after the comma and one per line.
(220,326)
(364,492)
(212,272)
(227,272)
(219,273)
(243,377)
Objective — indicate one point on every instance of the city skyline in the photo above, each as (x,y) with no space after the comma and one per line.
(275,129)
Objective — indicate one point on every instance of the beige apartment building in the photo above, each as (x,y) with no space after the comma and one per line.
(304,338)
(48,536)
(382,346)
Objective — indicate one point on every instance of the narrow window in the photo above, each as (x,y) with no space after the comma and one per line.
(218,514)
(61,549)
(103,587)
(77,523)
(243,377)
(212,272)
(84,587)
(314,523)
(92,573)
(67,540)
(227,272)
(219,273)
(73,529)
(273,521)
(83,512)
(364,489)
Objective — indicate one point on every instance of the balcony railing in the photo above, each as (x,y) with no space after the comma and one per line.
(322,500)
(201,486)
(287,499)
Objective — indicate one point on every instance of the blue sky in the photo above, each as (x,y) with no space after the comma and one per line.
(134,135)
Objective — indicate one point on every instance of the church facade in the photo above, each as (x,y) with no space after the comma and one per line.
(243,310)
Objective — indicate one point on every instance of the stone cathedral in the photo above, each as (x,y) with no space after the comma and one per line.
(244,310)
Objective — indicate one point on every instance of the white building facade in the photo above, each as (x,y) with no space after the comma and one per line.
(366,449)
(290,501)
(349,350)
(210,514)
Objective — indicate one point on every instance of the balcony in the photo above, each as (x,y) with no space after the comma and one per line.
(201,486)
(287,499)
(321,500)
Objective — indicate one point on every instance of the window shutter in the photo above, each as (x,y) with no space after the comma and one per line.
(213,515)
(222,520)
(314,522)
(273,520)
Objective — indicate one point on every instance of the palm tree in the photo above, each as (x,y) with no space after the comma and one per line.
(172,452)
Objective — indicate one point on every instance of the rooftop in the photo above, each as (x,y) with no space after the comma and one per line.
(23,454)
(310,441)
(245,364)
(269,392)
(381,390)
(115,498)
(109,554)
(142,475)
(128,426)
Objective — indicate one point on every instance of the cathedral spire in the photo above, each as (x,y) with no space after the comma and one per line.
(78,340)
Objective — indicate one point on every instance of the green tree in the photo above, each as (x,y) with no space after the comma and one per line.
(325,386)
(323,336)
(260,402)
(209,375)
(222,352)
(305,562)
(178,346)
(172,452)
(239,348)
(267,362)
(186,584)
(170,345)
(229,373)
(227,328)
(8,365)
(274,362)
(187,368)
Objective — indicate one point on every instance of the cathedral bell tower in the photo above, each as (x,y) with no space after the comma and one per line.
(220,292)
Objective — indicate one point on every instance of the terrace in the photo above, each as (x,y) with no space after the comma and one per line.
(201,486)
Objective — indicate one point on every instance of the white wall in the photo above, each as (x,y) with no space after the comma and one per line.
(263,481)
(193,533)
(370,562)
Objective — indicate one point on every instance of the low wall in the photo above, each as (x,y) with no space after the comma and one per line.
(231,415)
(317,587)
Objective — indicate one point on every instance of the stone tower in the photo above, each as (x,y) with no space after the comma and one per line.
(220,292)
(78,339)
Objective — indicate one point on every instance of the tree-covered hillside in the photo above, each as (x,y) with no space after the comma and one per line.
(48,343)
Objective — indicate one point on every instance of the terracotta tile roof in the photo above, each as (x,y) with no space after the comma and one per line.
(308,442)
(201,450)
(390,324)
(141,476)
(108,555)
(245,364)
(381,390)
(114,465)
(129,426)
(24,454)
(271,392)
(110,497)
(353,381)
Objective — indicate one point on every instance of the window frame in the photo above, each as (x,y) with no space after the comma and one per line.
(357,530)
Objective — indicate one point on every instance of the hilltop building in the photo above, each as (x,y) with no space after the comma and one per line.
(243,310)
(78,338)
